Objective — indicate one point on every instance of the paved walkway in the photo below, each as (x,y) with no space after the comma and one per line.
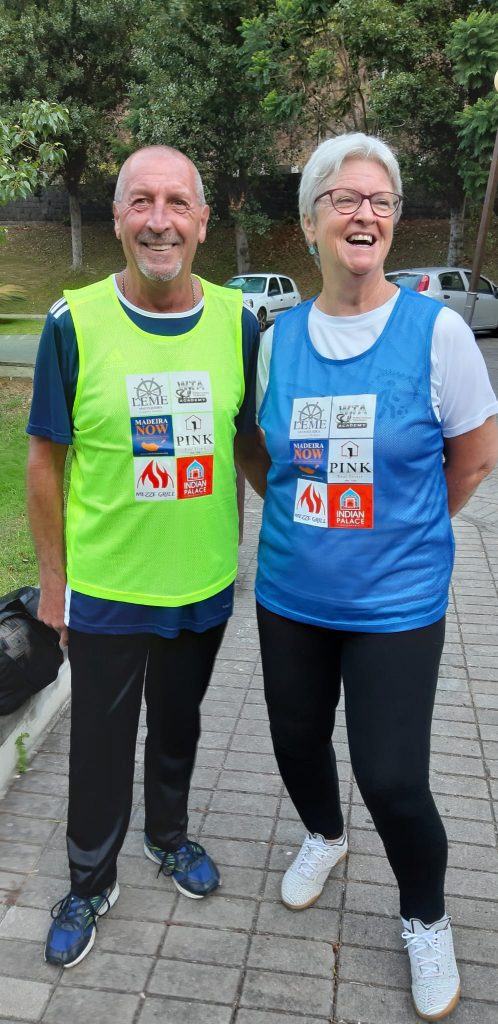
(18,354)
(240,957)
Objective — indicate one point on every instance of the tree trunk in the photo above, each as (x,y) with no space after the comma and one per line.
(242,249)
(76,240)
(457,227)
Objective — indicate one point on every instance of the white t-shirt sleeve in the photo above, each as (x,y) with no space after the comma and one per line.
(461,391)
(264,357)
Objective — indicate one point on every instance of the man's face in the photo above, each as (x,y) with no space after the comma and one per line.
(159,219)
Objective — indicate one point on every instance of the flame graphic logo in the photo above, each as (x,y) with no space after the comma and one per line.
(312,499)
(155,475)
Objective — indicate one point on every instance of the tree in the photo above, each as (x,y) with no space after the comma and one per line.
(73,52)
(29,151)
(374,65)
(472,49)
(29,155)
(194,95)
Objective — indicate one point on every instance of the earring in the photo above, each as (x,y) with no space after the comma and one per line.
(312,249)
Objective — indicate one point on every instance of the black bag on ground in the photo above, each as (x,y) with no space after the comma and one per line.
(30,655)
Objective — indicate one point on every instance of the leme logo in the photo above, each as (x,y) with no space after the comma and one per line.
(310,417)
(149,394)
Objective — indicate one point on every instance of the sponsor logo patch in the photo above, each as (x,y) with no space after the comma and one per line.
(350,507)
(353,414)
(155,479)
(148,393)
(191,392)
(193,433)
(195,476)
(310,506)
(310,418)
(152,434)
(350,461)
(309,456)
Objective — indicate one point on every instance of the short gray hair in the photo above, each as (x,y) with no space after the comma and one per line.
(325,163)
(119,189)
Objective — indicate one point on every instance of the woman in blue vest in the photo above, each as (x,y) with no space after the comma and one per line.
(379,421)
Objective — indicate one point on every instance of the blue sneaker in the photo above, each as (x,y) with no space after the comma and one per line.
(191,868)
(72,933)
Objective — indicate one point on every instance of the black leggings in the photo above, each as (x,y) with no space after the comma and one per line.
(107,681)
(389,688)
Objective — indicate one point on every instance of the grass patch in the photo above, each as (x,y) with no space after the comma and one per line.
(17,558)
(37,257)
(19,326)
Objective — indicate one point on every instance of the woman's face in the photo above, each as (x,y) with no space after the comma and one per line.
(357,242)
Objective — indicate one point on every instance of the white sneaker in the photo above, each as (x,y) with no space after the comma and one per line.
(303,882)
(435,978)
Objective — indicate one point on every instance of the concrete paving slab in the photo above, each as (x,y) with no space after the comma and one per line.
(240,957)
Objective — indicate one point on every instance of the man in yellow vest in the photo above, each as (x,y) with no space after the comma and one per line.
(150,376)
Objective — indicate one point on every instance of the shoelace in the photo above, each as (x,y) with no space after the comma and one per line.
(420,945)
(186,857)
(70,907)
(311,859)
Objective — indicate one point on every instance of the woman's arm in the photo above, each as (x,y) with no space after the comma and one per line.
(469,458)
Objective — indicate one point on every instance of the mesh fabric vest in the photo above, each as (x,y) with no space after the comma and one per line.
(356,533)
(152,511)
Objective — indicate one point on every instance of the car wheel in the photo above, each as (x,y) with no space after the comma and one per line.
(262,319)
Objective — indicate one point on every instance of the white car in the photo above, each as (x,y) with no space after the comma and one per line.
(266,294)
(450,285)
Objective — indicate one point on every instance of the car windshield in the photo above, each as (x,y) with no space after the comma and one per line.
(404,280)
(248,284)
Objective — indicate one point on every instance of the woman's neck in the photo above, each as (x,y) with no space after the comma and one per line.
(354,295)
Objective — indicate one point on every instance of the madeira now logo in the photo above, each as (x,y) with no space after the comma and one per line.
(152,434)
(308,456)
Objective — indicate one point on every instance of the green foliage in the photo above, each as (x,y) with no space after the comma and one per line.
(477,125)
(472,48)
(22,754)
(77,54)
(193,93)
(29,151)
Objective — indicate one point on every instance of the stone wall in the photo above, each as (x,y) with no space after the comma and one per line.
(276,194)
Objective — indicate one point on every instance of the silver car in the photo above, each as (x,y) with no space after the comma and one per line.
(450,285)
(266,294)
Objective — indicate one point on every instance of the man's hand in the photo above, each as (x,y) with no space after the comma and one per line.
(51,605)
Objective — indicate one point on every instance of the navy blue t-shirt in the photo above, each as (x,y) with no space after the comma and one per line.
(54,388)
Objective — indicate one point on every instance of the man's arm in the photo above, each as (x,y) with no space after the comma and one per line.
(252,458)
(468,460)
(45,488)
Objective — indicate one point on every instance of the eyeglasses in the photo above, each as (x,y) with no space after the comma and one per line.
(348,200)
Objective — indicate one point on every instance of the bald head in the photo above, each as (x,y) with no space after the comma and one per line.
(141,156)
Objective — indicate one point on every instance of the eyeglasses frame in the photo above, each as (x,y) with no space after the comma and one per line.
(329,192)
